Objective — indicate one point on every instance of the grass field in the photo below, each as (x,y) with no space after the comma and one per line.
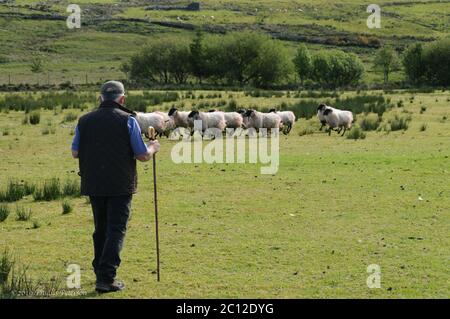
(334,207)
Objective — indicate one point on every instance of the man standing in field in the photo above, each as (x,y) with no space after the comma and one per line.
(107,143)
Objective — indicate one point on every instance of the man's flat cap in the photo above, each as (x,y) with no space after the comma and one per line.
(112,88)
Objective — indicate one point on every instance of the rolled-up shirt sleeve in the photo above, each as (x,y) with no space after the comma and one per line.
(137,143)
(76,140)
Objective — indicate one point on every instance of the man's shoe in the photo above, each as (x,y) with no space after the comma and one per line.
(112,287)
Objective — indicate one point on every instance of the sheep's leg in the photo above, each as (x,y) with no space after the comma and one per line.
(289,128)
(345,129)
(329,131)
(322,125)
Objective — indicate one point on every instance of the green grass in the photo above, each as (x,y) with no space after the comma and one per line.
(66,207)
(335,207)
(23,214)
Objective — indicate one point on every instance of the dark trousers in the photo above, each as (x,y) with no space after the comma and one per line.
(110,217)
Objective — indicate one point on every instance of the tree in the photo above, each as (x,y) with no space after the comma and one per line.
(436,59)
(162,61)
(387,61)
(272,64)
(198,56)
(179,62)
(428,64)
(37,65)
(249,57)
(335,68)
(303,63)
(413,63)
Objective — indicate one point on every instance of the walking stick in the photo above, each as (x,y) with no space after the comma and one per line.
(151,136)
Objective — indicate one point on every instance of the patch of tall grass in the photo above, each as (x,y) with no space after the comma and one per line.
(370,122)
(4,212)
(66,207)
(23,214)
(35,117)
(356,133)
(48,191)
(15,191)
(399,122)
(70,117)
(53,189)
(15,281)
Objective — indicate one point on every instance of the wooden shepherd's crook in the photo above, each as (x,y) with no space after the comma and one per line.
(151,136)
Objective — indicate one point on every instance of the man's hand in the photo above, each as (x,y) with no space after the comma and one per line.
(152,148)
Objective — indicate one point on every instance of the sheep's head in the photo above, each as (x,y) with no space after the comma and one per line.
(241,111)
(212,111)
(172,111)
(193,115)
(321,107)
(249,113)
(327,111)
(272,111)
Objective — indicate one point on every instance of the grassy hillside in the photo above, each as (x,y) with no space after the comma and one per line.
(113,30)
(335,207)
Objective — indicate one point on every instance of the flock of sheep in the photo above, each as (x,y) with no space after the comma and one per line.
(165,123)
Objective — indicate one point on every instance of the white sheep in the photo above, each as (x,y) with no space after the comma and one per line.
(258,120)
(320,109)
(210,120)
(338,119)
(287,119)
(145,120)
(232,119)
(180,118)
(169,121)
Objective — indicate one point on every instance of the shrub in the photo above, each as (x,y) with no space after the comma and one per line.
(423,127)
(25,120)
(36,224)
(399,122)
(49,191)
(70,117)
(14,192)
(28,188)
(423,109)
(4,212)
(306,131)
(356,133)
(232,106)
(370,122)
(66,207)
(22,214)
(71,188)
(6,264)
(49,128)
(35,117)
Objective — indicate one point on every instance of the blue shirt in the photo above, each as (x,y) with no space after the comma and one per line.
(137,144)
